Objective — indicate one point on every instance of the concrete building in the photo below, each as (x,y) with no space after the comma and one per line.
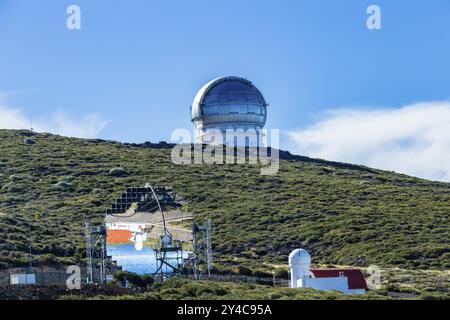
(226,105)
(23,279)
(347,280)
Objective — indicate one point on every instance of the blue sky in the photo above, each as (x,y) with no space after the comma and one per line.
(138,64)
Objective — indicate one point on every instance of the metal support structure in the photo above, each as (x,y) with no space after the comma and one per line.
(96,259)
(102,267)
(165,261)
(202,249)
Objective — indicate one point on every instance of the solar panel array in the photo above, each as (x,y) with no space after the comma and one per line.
(144,198)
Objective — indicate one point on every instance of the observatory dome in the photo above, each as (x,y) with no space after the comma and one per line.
(228,103)
(299,256)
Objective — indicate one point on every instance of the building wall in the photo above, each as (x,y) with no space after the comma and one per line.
(23,278)
(337,283)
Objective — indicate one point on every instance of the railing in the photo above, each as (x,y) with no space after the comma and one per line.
(271,281)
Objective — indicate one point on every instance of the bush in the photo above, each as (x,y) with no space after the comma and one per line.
(19,177)
(64,186)
(282,273)
(26,133)
(66,179)
(13,188)
(434,296)
(262,274)
(29,141)
(97,191)
(133,279)
(241,270)
(118,172)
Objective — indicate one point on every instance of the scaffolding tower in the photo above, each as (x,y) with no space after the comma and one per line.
(95,253)
(202,254)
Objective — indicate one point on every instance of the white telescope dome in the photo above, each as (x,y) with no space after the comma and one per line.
(299,256)
(299,263)
(228,103)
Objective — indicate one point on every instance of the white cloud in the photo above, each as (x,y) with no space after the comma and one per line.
(13,119)
(88,126)
(414,139)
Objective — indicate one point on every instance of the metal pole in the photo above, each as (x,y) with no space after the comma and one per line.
(102,266)
(30,270)
(208,247)
(88,252)
(195,235)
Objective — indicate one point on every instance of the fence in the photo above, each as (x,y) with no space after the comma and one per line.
(53,276)
(272,281)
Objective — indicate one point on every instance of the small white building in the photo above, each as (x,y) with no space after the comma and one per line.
(348,281)
(22,278)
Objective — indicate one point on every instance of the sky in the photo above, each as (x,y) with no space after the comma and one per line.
(336,89)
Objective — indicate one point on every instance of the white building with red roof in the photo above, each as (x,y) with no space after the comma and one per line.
(348,280)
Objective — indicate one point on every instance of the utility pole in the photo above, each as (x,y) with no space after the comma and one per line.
(30,270)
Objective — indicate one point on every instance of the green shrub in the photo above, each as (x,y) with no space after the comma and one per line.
(118,172)
(29,141)
(262,274)
(13,187)
(19,177)
(282,273)
(66,179)
(241,270)
(135,280)
(64,186)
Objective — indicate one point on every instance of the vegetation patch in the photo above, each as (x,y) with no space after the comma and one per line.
(118,172)
(390,220)
(29,141)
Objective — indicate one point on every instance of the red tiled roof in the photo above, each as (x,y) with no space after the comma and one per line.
(355,277)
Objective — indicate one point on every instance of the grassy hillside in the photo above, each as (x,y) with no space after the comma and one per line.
(177,289)
(343,214)
(396,284)
(181,289)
